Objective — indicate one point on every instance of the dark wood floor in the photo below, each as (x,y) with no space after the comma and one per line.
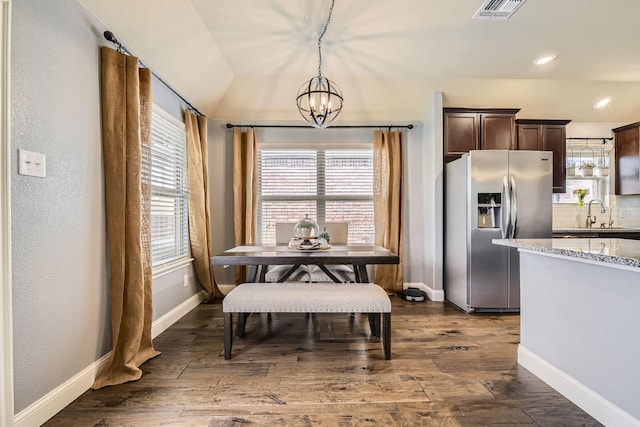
(448,369)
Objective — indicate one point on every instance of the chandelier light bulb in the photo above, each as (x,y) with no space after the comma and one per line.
(319,101)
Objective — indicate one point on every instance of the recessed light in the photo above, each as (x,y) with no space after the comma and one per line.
(602,102)
(544,59)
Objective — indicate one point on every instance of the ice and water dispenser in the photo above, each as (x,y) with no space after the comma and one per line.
(489,205)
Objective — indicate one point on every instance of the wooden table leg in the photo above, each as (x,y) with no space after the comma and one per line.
(252,273)
(356,273)
(263,273)
(329,273)
(288,273)
(363,276)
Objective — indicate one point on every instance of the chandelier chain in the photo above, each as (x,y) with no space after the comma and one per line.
(324,30)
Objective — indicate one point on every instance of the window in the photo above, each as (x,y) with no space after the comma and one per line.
(329,184)
(596,186)
(169,214)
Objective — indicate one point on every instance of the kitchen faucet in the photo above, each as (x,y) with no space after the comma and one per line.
(611,213)
(591,221)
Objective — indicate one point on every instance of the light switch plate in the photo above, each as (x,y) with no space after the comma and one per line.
(31,163)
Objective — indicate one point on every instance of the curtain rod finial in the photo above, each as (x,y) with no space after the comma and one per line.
(110,37)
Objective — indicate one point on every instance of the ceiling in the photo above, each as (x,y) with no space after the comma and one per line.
(244,60)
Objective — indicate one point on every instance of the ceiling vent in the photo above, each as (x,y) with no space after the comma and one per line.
(498,9)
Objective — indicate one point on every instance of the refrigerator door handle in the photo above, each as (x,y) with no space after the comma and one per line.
(514,208)
(505,221)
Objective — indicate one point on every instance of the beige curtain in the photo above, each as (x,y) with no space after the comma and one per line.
(388,200)
(245,190)
(199,218)
(126,128)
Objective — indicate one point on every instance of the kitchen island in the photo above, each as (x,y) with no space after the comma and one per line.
(579,319)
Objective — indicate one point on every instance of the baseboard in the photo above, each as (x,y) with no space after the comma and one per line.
(53,402)
(164,322)
(591,402)
(432,294)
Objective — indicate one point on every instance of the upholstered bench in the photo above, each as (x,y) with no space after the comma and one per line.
(298,297)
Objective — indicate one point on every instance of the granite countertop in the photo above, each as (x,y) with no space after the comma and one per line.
(622,252)
(584,230)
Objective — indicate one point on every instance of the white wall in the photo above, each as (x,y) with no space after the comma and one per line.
(60,278)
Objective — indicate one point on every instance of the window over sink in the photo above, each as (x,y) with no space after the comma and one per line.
(597,186)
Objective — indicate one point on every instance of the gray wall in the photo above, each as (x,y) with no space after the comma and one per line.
(432,178)
(61,322)
(221,194)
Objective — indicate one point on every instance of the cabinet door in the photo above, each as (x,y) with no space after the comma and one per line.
(554,139)
(529,137)
(627,161)
(544,137)
(498,131)
(460,133)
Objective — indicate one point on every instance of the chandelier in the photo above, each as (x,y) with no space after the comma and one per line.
(320,100)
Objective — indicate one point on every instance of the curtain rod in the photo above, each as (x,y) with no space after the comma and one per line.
(122,49)
(593,139)
(409,126)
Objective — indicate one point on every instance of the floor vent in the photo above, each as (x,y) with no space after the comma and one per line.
(498,9)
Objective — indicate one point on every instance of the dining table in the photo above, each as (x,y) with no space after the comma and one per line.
(260,257)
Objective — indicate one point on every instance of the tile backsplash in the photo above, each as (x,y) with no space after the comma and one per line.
(567,215)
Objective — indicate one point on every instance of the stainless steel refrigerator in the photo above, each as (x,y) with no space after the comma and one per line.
(493,194)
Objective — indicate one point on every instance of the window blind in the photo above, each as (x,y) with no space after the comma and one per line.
(169,209)
(329,185)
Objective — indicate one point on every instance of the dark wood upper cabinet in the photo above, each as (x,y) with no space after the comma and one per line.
(529,136)
(461,132)
(478,129)
(498,131)
(546,135)
(627,159)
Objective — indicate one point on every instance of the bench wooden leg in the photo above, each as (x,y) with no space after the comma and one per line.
(242,321)
(374,324)
(386,339)
(228,335)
